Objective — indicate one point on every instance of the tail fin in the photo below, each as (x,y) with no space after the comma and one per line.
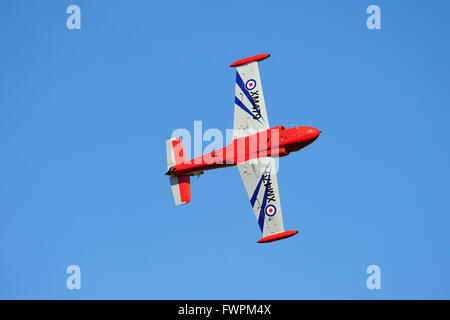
(181,185)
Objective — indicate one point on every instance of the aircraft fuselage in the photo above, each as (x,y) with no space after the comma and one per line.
(274,142)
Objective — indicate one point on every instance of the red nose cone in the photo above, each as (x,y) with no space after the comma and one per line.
(305,136)
(314,132)
(310,133)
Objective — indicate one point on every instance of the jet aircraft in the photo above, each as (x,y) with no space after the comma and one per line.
(253,150)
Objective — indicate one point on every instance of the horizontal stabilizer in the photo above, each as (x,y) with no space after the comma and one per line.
(181,189)
(180,185)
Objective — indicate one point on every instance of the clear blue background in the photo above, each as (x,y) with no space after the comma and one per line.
(84,115)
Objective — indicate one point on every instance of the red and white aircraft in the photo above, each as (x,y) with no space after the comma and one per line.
(253,149)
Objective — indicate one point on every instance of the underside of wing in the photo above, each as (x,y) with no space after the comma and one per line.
(250,115)
(260,181)
(259,175)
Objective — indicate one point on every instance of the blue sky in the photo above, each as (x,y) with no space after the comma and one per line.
(84,115)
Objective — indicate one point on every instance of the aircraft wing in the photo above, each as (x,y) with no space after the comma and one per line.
(250,114)
(260,180)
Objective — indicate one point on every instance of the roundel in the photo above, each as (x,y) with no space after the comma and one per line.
(271,210)
(250,84)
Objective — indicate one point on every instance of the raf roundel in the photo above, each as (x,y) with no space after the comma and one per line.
(271,210)
(250,84)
